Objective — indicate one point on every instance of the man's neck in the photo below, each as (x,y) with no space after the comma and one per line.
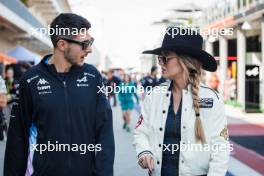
(60,63)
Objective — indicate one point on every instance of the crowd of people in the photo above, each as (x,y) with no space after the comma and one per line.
(9,82)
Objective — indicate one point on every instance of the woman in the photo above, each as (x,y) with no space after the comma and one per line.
(176,126)
(125,96)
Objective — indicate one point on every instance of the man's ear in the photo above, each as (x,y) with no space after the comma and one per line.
(61,45)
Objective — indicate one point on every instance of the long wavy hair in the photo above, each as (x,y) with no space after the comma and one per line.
(192,69)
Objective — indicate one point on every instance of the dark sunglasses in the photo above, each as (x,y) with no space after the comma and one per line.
(164,60)
(84,44)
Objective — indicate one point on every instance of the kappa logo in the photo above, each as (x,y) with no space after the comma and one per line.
(43,87)
(42,81)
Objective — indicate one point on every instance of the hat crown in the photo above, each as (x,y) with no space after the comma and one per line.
(187,42)
(184,36)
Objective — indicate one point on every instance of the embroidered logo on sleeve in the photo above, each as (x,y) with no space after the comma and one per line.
(224,133)
(206,102)
(140,120)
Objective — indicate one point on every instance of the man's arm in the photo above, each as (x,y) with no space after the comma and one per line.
(104,136)
(16,152)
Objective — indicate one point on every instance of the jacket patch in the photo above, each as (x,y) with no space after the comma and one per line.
(206,102)
(224,133)
(140,120)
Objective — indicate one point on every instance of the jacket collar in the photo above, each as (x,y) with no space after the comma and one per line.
(170,84)
(51,67)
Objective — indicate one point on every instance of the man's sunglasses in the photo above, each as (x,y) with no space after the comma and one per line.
(164,60)
(84,44)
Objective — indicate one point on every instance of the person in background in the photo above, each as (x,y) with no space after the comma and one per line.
(10,84)
(104,77)
(150,81)
(3,102)
(214,81)
(112,82)
(125,96)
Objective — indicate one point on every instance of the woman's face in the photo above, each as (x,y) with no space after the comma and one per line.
(170,65)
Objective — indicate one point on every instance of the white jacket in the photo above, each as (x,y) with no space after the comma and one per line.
(149,133)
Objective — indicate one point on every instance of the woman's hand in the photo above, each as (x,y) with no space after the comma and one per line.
(146,162)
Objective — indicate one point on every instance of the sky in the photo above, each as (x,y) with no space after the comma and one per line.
(124,28)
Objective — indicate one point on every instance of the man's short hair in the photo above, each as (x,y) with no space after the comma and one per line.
(67,25)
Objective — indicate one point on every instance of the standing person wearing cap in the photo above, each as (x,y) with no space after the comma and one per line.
(179,128)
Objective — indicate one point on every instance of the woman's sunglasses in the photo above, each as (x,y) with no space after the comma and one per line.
(164,60)
(84,44)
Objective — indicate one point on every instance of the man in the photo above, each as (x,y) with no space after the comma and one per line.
(62,122)
(150,81)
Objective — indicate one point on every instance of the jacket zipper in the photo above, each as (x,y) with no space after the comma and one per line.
(68,121)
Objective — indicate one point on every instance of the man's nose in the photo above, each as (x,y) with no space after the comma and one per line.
(89,49)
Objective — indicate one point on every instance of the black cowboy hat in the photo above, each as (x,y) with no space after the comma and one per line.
(188,42)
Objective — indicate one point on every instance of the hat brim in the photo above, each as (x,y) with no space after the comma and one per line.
(207,60)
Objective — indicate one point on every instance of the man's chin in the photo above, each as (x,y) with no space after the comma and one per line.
(80,64)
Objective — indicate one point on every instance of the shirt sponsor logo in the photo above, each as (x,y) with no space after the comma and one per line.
(82,82)
(43,86)
(30,79)
(89,74)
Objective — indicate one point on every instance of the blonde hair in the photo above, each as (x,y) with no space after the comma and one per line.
(192,69)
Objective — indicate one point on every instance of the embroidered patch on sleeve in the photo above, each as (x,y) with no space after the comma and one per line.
(139,122)
(206,102)
(224,133)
